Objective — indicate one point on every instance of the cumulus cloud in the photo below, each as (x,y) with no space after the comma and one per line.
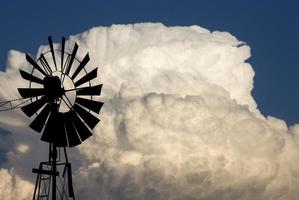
(179,121)
(14,187)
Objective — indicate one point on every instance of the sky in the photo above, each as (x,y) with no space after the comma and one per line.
(178,114)
(270,28)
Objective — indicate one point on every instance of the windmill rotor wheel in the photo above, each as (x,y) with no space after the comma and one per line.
(61,93)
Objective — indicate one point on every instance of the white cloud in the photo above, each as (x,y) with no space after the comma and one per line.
(14,187)
(22,148)
(179,121)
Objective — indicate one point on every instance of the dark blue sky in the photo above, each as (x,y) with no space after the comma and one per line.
(270,27)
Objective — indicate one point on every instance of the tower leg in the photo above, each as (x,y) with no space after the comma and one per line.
(47,187)
(54,157)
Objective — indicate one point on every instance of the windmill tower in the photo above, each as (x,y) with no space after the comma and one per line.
(59,99)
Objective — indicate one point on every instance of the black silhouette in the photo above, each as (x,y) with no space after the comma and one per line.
(57,95)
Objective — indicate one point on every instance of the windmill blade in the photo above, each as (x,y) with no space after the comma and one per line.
(71,132)
(45,64)
(35,65)
(39,122)
(54,131)
(52,50)
(81,66)
(62,52)
(87,117)
(30,77)
(81,128)
(68,68)
(31,92)
(91,75)
(32,108)
(94,90)
(95,106)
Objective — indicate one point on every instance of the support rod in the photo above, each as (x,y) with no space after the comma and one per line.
(54,157)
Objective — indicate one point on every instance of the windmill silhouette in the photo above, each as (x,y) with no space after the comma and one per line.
(59,98)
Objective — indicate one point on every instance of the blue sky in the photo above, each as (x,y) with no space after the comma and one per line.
(271,28)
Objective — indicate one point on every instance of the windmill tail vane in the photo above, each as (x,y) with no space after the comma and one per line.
(60,98)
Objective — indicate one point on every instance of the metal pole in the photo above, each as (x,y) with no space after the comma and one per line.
(54,157)
(36,184)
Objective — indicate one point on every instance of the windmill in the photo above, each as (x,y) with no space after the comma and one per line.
(60,100)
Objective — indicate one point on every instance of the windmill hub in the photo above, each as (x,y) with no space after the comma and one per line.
(53,89)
